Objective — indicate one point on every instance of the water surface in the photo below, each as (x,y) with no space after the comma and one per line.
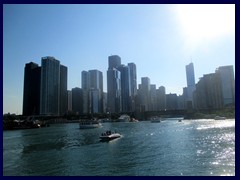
(169,148)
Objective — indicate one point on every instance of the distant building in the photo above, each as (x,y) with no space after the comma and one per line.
(171,101)
(94,100)
(104,102)
(216,90)
(161,98)
(114,90)
(69,100)
(92,84)
(50,86)
(114,85)
(144,94)
(125,88)
(63,90)
(85,80)
(114,61)
(191,86)
(31,91)
(84,101)
(76,100)
(180,102)
(96,86)
(227,84)
(153,98)
(133,85)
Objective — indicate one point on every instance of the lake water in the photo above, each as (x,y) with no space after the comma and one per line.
(169,148)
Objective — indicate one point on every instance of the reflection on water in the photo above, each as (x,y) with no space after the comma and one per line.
(192,147)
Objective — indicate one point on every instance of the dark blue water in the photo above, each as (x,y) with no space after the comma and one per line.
(169,148)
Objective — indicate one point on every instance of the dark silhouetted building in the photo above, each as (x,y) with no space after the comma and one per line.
(31,91)
(171,101)
(63,90)
(76,100)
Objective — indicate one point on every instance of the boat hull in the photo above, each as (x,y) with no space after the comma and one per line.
(110,137)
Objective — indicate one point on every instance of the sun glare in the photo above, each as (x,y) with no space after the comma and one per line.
(205,22)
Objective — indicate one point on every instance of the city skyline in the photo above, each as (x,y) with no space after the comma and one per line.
(144,38)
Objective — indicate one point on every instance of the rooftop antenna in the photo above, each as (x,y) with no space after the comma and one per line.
(191,58)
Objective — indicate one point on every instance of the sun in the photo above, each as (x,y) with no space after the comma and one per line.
(205,22)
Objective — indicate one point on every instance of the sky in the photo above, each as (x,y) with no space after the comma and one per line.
(161,39)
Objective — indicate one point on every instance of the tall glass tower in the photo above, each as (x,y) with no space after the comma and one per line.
(50,86)
(114,84)
(133,85)
(190,81)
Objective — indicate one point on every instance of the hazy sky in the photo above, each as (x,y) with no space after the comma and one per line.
(159,39)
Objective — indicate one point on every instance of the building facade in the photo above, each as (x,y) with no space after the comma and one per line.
(31,91)
(63,90)
(144,94)
(50,86)
(226,76)
(76,100)
(133,85)
(125,88)
(216,90)
(191,86)
(161,98)
(114,85)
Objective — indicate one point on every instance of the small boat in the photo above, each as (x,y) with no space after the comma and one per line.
(89,124)
(179,120)
(133,120)
(155,120)
(124,118)
(220,118)
(108,136)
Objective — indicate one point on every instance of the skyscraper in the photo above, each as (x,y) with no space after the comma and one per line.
(208,92)
(144,94)
(161,98)
(114,61)
(96,91)
(113,90)
(50,86)
(76,100)
(92,84)
(125,88)
(85,80)
(63,90)
(152,98)
(133,85)
(190,83)
(69,100)
(227,84)
(114,84)
(31,91)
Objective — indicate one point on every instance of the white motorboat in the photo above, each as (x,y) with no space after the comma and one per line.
(108,136)
(124,118)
